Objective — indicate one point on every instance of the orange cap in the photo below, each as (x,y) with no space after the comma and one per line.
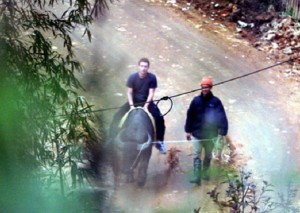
(206,81)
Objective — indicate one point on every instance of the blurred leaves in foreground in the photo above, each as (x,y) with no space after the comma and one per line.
(46,128)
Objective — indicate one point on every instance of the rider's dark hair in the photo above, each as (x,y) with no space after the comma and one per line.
(146,60)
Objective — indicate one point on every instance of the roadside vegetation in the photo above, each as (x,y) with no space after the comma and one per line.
(271,26)
(236,191)
(48,136)
(244,194)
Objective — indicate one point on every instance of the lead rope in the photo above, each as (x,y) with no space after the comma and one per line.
(138,155)
(214,140)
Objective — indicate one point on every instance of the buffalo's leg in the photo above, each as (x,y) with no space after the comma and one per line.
(115,160)
(129,162)
(142,169)
(129,177)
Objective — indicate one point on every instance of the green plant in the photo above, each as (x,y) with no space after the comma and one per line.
(44,124)
(286,200)
(243,195)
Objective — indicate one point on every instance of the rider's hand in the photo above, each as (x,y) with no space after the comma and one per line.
(189,136)
(146,108)
(132,107)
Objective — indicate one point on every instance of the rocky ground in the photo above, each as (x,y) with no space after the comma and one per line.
(276,35)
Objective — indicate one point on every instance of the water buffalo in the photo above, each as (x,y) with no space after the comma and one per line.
(132,146)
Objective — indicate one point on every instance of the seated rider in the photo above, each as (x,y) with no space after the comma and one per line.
(141,89)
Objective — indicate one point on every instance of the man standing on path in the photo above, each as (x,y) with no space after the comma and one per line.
(141,86)
(206,119)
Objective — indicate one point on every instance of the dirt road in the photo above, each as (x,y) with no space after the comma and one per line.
(262,108)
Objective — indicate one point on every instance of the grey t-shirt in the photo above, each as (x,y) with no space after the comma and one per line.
(141,86)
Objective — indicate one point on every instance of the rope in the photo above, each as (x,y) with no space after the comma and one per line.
(137,157)
(166,98)
(191,91)
(175,141)
(186,141)
(217,84)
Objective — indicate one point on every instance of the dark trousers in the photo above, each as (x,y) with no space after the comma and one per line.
(155,112)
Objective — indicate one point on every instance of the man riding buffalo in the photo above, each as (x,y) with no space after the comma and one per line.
(141,86)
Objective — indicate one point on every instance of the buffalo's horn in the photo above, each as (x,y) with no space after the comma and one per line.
(145,145)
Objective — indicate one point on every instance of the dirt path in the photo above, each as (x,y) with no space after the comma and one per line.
(262,108)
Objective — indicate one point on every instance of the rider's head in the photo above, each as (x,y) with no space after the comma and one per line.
(144,65)
(145,60)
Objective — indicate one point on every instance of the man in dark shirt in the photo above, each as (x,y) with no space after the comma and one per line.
(206,119)
(141,88)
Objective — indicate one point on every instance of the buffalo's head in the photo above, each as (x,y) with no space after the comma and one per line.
(131,149)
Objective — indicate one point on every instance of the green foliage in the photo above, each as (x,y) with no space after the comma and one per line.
(243,194)
(289,11)
(266,3)
(44,125)
(286,200)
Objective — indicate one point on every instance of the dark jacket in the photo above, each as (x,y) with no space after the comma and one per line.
(206,117)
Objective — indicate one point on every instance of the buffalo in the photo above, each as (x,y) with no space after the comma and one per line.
(132,146)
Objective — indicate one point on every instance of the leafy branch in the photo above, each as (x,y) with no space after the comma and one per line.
(39,148)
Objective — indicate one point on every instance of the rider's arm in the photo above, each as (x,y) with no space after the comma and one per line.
(150,98)
(130,97)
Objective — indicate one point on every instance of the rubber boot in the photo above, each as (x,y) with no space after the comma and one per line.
(205,173)
(197,172)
